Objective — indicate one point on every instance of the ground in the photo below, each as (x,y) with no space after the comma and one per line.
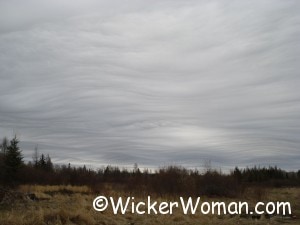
(69,205)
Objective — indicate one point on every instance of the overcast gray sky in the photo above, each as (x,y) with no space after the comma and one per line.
(152,82)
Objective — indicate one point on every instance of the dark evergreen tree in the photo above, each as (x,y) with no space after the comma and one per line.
(3,149)
(35,157)
(13,161)
(49,164)
(237,174)
(42,162)
(4,145)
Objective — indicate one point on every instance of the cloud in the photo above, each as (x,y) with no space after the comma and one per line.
(178,82)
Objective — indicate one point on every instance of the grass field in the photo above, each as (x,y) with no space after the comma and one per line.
(73,205)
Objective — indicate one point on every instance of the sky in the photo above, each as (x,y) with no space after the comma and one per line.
(156,83)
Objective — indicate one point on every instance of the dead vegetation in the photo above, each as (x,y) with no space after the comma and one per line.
(69,205)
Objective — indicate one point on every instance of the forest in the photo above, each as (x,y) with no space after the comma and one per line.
(170,180)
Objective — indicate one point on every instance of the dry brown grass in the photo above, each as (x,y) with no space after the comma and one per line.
(53,188)
(76,208)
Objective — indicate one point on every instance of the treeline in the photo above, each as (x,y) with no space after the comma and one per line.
(270,176)
(172,180)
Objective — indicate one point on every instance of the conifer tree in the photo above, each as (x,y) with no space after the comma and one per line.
(13,160)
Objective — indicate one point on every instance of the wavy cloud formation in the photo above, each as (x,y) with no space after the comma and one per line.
(171,82)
